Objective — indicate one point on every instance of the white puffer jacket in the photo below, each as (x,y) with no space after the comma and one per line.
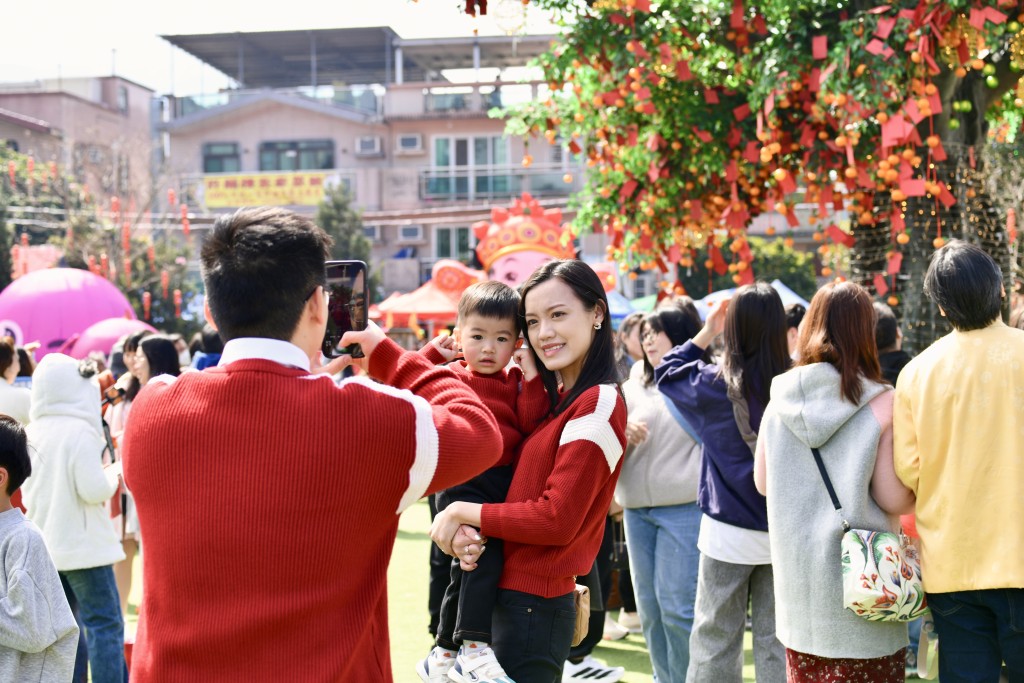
(66,492)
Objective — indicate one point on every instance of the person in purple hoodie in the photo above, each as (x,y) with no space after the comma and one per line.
(724,402)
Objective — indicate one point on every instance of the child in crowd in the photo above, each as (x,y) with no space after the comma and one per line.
(488,335)
(38,633)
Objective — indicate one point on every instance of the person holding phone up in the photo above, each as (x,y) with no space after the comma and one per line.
(268,543)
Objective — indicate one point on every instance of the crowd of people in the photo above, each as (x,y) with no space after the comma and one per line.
(255,475)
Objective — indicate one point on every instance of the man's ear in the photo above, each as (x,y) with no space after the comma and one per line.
(316,307)
(207,314)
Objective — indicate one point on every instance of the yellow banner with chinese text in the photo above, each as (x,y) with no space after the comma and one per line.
(303,188)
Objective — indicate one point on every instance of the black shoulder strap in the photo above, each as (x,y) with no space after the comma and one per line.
(828,485)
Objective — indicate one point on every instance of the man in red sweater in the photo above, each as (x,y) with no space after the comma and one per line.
(268,495)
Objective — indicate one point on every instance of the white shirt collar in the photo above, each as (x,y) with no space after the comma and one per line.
(246,348)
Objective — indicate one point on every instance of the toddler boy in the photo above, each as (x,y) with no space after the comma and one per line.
(38,633)
(488,334)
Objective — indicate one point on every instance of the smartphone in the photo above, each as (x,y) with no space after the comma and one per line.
(347,306)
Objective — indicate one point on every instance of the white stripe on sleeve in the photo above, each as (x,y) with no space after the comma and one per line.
(596,427)
(424,464)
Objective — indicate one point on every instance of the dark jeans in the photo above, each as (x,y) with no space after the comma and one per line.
(100,610)
(532,635)
(978,631)
(470,598)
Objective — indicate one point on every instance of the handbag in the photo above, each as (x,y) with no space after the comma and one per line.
(881,569)
(581,601)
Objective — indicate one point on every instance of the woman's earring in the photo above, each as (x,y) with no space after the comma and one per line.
(597,326)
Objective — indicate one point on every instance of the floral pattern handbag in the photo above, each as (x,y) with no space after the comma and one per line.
(881,569)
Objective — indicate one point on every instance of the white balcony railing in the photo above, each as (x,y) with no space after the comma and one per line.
(496,182)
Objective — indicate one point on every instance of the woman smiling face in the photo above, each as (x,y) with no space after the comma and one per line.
(560,328)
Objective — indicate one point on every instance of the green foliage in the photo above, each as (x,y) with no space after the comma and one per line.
(772,260)
(345,226)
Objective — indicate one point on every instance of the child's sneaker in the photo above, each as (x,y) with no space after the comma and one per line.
(591,670)
(435,668)
(478,665)
(630,621)
(612,629)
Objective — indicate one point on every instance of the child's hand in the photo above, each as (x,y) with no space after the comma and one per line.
(636,432)
(524,359)
(445,345)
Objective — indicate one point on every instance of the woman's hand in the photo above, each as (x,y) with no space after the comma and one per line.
(468,545)
(442,531)
(636,433)
(713,326)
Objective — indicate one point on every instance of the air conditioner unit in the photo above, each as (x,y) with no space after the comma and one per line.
(409,143)
(368,146)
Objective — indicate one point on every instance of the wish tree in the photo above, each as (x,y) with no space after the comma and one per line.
(696,117)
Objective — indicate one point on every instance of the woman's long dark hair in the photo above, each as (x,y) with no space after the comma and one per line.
(131,345)
(840,329)
(680,321)
(599,363)
(161,354)
(754,341)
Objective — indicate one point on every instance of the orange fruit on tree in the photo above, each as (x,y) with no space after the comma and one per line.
(893,301)
(903,238)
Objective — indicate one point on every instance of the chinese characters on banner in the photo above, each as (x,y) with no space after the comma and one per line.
(264,189)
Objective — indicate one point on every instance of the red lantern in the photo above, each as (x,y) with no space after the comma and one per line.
(126,237)
(184,211)
(177,303)
(165,281)
(30,165)
(172,197)
(186,226)
(128,271)
(11,170)
(151,256)
(115,205)
(92,265)
(104,265)
(147,303)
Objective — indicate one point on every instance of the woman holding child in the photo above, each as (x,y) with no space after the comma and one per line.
(553,518)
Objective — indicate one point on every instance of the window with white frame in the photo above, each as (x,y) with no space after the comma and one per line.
(454,243)
(372,232)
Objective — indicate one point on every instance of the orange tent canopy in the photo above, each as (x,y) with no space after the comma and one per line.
(428,303)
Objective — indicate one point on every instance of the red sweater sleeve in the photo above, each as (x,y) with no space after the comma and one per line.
(589,447)
(468,440)
(431,353)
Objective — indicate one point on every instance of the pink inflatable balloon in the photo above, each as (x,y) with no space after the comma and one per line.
(103,335)
(51,306)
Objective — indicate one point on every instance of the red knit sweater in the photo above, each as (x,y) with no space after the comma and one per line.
(269,502)
(553,519)
(517,405)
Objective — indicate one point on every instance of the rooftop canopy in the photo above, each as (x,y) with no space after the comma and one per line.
(286,59)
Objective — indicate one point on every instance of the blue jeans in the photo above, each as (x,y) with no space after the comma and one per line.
(978,631)
(664,561)
(99,607)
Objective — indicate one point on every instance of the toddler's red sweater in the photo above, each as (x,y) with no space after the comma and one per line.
(269,500)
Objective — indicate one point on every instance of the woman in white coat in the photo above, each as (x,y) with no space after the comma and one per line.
(65,498)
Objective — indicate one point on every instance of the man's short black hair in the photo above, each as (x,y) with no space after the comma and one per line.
(885,326)
(491,299)
(795,315)
(260,266)
(14,453)
(966,283)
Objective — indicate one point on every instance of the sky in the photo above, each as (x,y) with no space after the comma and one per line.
(69,38)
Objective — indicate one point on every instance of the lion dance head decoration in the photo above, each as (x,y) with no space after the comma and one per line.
(520,239)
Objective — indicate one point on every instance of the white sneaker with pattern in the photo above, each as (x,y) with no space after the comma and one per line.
(591,670)
(435,668)
(478,665)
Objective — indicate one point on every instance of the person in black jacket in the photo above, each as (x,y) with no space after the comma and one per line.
(889,338)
